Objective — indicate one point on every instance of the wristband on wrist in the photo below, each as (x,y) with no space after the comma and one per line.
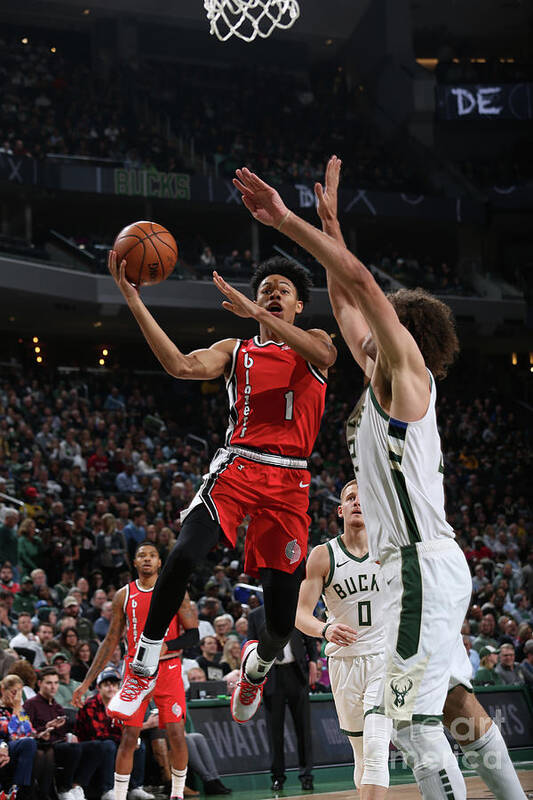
(284,220)
(324,629)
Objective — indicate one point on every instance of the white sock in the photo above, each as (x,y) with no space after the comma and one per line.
(489,756)
(256,668)
(178,782)
(357,747)
(121,786)
(147,653)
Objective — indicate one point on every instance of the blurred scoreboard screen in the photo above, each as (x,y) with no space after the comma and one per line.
(507,101)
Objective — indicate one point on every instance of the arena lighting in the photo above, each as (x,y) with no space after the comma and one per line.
(531,358)
(211,329)
(86,11)
(52,50)
(105,351)
(514,359)
(37,349)
(101,361)
(24,40)
(39,359)
(97,324)
(35,339)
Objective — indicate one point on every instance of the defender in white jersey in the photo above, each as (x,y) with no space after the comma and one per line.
(402,342)
(350,583)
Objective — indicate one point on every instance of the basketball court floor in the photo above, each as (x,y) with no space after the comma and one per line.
(329,788)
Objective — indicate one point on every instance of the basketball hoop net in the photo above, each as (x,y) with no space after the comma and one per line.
(250,18)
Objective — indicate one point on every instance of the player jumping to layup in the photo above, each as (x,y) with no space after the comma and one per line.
(342,571)
(130,609)
(401,342)
(276,385)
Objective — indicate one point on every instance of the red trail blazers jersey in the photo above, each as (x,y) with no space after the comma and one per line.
(276,399)
(136,607)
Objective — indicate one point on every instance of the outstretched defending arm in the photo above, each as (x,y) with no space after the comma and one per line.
(204,364)
(310,591)
(353,326)
(397,352)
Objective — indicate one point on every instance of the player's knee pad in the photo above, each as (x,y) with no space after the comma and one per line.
(424,747)
(376,738)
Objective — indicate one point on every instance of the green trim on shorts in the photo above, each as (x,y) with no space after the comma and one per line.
(427,719)
(374,710)
(446,785)
(331,565)
(411,613)
(351,733)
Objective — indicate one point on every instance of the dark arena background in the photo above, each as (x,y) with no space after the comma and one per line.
(114,111)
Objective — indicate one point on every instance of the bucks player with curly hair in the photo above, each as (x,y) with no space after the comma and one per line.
(403,342)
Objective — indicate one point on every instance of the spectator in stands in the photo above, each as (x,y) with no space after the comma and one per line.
(65,690)
(72,611)
(101,626)
(223,625)
(47,715)
(7,581)
(25,638)
(97,601)
(81,661)
(29,545)
(525,632)
(231,655)
(507,671)
(486,634)
(111,546)
(25,599)
(473,655)
(93,724)
(68,639)
(50,649)
(28,676)
(9,540)
(135,531)
(209,661)
(241,628)
(66,584)
(527,663)
(127,482)
(485,676)
(17,739)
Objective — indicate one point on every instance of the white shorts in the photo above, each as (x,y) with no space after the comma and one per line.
(357,686)
(427,592)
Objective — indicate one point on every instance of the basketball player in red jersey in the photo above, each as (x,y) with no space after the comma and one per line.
(276,385)
(130,609)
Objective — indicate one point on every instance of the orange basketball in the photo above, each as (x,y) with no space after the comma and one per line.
(150,251)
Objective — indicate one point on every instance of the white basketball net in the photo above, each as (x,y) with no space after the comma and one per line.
(250,18)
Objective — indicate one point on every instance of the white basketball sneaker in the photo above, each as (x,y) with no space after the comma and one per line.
(246,696)
(130,696)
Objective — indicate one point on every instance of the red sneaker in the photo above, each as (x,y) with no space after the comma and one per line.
(247,695)
(130,696)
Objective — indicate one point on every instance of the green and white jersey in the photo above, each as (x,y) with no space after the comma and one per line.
(399,473)
(353,595)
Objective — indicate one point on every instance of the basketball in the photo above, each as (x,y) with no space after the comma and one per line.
(150,252)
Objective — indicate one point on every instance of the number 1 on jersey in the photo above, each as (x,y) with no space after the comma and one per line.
(289,404)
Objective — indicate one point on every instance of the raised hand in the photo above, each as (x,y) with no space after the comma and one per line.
(261,200)
(119,274)
(237,302)
(327,196)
